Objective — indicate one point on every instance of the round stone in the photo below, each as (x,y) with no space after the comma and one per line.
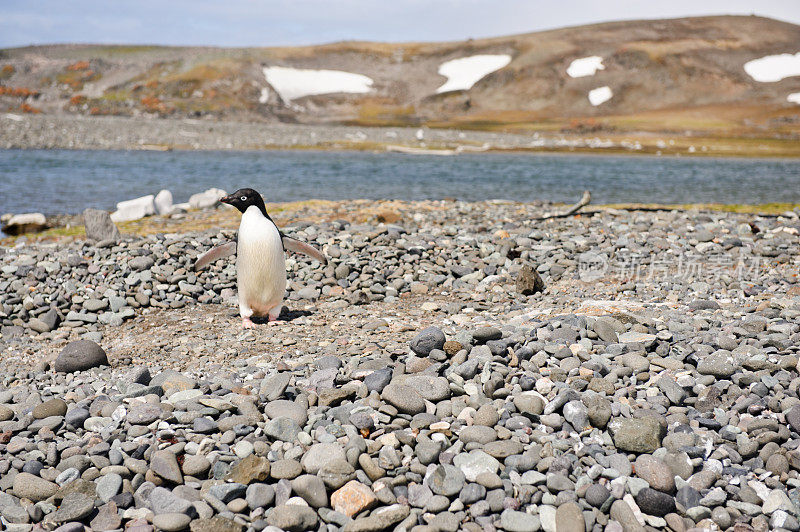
(319,455)
(171,522)
(427,340)
(404,398)
(53,407)
(655,502)
(80,355)
(597,495)
(446,480)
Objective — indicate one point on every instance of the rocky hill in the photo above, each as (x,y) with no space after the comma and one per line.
(665,75)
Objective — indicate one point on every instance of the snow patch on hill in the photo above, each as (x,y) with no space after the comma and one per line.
(463,73)
(585,66)
(773,67)
(600,95)
(293,83)
(794,97)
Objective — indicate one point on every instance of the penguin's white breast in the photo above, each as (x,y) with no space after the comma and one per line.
(260,262)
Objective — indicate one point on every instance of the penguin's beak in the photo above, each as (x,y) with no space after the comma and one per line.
(227,199)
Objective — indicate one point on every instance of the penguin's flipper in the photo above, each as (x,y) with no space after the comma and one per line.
(301,247)
(214,254)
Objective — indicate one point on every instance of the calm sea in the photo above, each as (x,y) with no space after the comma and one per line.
(63,181)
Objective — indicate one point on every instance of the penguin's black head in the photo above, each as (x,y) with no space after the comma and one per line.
(244,198)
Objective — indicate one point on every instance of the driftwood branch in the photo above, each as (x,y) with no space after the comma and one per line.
(585,200)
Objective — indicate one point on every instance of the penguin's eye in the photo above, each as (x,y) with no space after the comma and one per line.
(243,198)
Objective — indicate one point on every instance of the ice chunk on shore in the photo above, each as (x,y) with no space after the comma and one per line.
(134,209)
(773,67)
(794,98)
(293,83)
(585,66)
(463,73)
(163,202)
(600,95)
(209,198)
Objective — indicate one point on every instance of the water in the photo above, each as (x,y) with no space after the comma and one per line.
(64,181)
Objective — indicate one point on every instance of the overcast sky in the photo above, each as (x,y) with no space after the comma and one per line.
(291,22)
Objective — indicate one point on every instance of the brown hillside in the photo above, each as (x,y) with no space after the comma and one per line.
(666,75)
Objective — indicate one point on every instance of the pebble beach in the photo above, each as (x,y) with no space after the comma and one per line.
(454,366)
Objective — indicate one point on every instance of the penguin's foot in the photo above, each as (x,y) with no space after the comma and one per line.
(247,323)
(272,318)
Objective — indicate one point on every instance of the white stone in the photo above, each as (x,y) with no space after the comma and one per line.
(637,337)
(206,199)
(184,395)
(628,498)
(544,385)
(134,209)
(299,501)
(163,202)
(778,500)
(243,449)
(475,463)
(547,517)
(779,518)
(533,478)
(138,513)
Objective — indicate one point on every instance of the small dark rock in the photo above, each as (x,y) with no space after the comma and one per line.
(529,281)
(654,502)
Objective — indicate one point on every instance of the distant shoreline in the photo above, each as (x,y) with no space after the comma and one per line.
(166,134)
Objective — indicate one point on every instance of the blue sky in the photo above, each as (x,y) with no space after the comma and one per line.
(292,22)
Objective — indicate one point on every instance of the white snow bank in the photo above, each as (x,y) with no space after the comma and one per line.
(600,95)
(774,67)
(463,73)
(585,66)
(293,83)
(794,97)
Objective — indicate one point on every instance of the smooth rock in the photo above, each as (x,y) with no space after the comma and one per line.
(80,355)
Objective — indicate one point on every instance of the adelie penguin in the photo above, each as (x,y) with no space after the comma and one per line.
(260,261)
